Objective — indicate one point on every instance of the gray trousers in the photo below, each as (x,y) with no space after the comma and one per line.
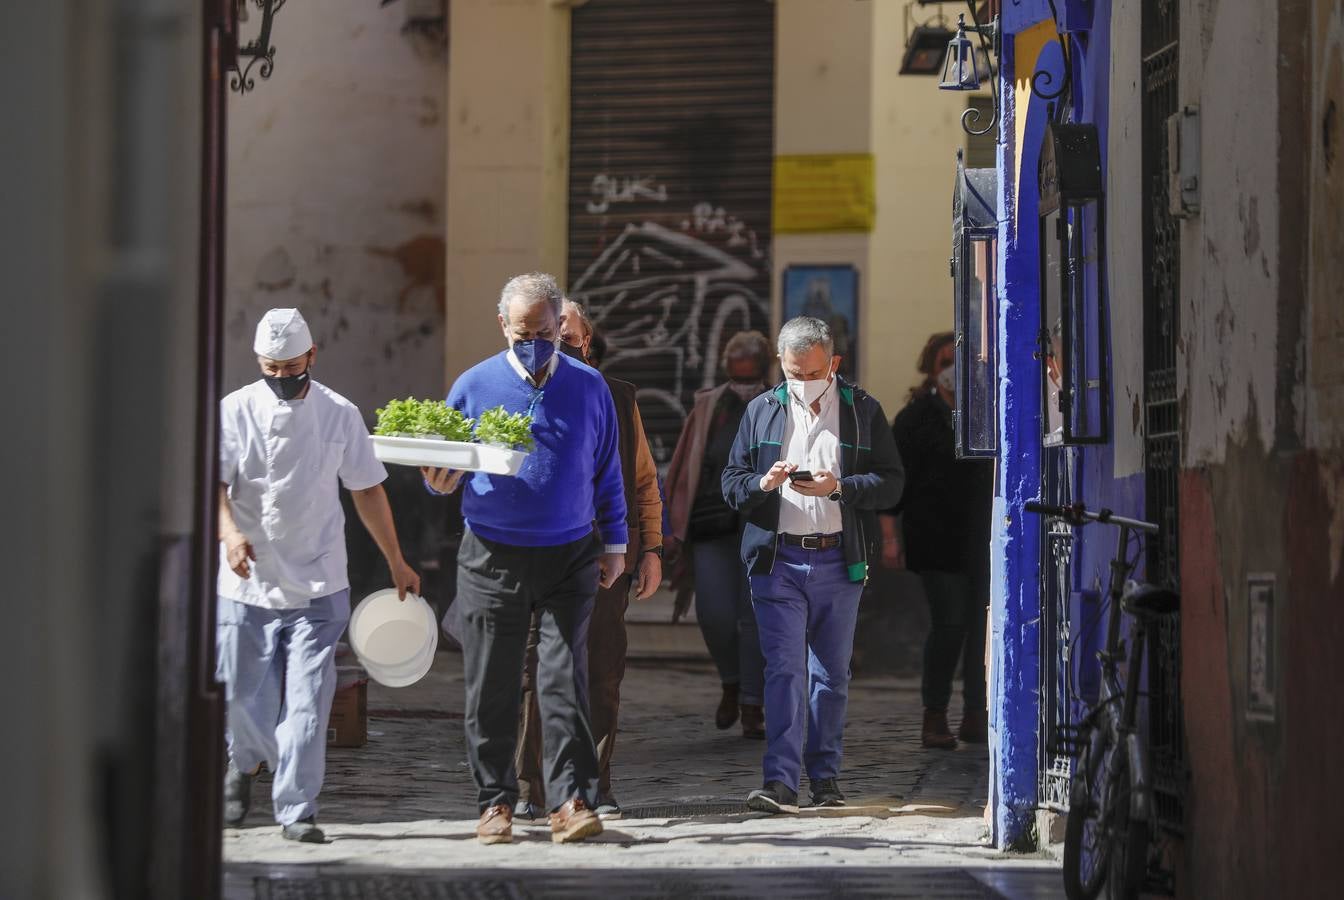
(499,587)
(279,674)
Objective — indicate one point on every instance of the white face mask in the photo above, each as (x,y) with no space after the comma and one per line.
(947,379)
(809,392)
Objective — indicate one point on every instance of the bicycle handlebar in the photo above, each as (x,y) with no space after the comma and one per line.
(1078,514)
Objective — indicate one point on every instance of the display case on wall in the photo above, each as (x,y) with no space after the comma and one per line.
(975,236)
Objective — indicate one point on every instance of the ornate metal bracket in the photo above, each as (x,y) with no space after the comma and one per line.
(258,52)
(1043,80)
(990,36)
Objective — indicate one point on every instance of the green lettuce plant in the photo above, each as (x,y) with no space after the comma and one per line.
(497,427)
(420,417)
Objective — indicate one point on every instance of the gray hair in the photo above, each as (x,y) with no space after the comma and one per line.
(581,311)
(534,287)
(748,345)
(803,333)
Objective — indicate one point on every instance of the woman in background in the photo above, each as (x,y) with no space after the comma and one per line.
(944,512)
(706,534)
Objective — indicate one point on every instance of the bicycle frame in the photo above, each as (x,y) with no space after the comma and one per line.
(1112,788)
(1123,722)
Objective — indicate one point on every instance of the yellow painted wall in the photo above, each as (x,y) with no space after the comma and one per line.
(508,157)
(916,130)
(823,80)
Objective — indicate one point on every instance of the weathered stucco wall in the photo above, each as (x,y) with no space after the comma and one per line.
(1325,314)
(1261,492)
(335,195)
(1124,235)
(1230,253)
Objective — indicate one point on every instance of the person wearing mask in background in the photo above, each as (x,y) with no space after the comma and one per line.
(530,547)
(945,511)
(812,463)
(606,639)
(706,533)
(286,445)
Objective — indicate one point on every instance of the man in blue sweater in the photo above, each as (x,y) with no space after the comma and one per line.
(530,546)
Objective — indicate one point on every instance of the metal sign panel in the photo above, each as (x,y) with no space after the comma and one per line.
(671,150)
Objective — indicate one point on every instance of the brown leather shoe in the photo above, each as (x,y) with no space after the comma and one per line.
(573,822)
(974,727)
(496,825)
(753,722)
(726,714)
(935,734)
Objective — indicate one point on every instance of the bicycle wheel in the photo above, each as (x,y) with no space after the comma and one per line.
(1128,837)
(1086,850)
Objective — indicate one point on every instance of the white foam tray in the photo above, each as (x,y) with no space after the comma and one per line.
(410,451)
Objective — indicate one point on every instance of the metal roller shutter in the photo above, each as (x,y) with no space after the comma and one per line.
(671,150)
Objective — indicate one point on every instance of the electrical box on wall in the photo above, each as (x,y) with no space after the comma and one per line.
(1183,163)
(1261,660)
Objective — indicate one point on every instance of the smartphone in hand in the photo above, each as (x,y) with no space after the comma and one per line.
(800,475)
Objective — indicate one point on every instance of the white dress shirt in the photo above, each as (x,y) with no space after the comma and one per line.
(281,461)
(812,442)
(551,366)
(526,375)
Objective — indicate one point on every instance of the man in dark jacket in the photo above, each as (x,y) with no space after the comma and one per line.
(812,463)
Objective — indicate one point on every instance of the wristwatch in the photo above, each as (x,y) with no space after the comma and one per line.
(834,496)
(657,551)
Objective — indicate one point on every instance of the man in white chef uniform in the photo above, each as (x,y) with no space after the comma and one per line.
(284,596)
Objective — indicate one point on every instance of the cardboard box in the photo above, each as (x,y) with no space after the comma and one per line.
(349,723)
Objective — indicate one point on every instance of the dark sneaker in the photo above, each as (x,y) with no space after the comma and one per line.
(773,798)
(304,831)
(826,792)
(526,811)
(237,796)
(608,808)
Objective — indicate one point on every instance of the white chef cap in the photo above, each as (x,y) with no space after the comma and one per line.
(282,334)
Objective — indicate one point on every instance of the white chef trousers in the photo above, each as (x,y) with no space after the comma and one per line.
(279,671)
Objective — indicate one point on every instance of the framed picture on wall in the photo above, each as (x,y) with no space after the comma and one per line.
(829,293)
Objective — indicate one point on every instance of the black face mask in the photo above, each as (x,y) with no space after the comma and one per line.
(571,351)
(287,387)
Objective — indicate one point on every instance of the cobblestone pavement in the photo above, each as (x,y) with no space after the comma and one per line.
(399,813)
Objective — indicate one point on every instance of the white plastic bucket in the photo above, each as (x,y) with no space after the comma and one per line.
(404,675)
(394,639)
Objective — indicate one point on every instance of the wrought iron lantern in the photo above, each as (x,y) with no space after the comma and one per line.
(961,67)
(258,52)
(1073,343)
(966,67)
(975,236)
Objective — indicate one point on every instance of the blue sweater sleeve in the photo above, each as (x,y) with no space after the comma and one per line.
(608,482)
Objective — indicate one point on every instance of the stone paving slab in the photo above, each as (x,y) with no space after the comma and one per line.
(404,806)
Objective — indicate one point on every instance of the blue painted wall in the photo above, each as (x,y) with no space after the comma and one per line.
(1015,560)
(1014,566)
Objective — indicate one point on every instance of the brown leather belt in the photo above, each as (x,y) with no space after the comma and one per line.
(812,541)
